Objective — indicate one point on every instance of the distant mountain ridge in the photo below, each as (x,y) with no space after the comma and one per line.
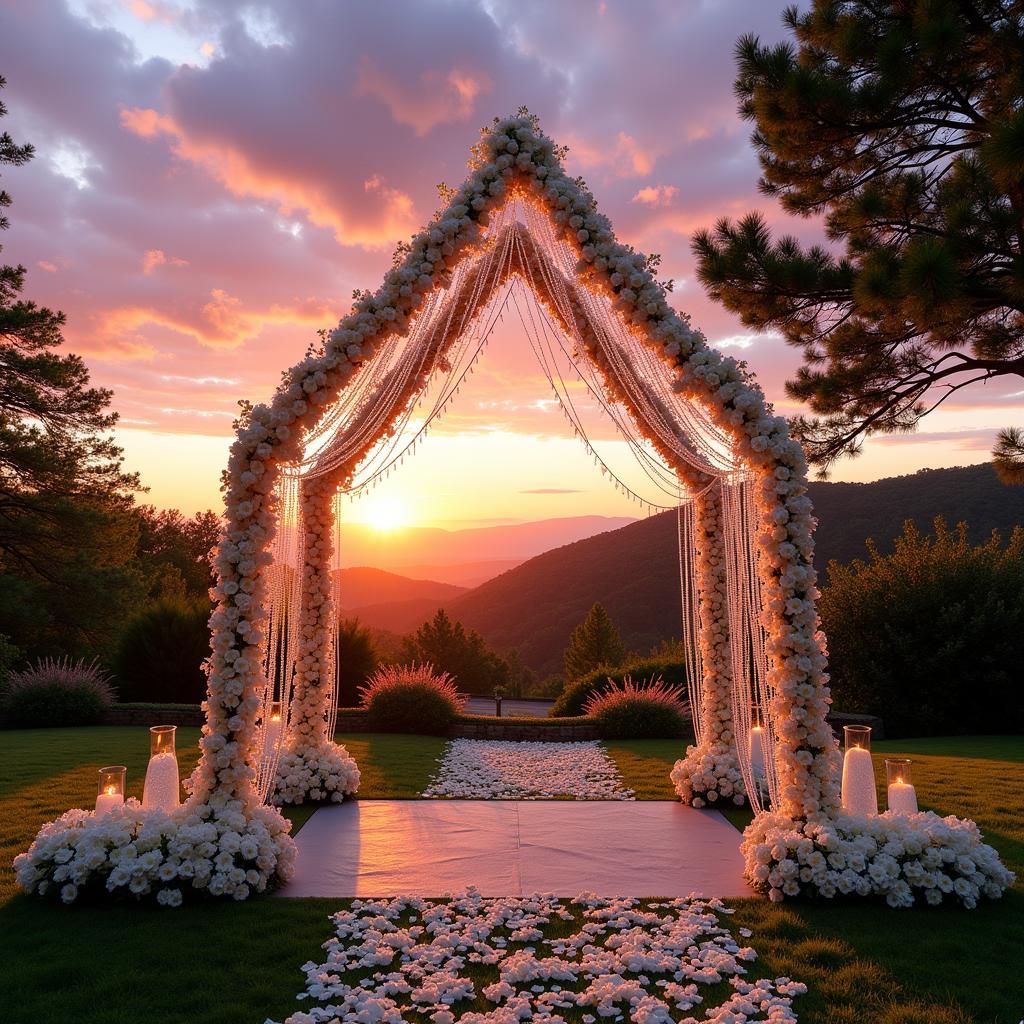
(425,547)
(634,571)
(362,585)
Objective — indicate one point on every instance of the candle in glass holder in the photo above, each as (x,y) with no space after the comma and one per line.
(161,791)
(858,792)
(902,796)
(110,789)
(272,729)
(756,742)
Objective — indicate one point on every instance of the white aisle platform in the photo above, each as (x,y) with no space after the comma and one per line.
(511,848)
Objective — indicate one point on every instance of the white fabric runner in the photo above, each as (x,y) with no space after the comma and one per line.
(511,848)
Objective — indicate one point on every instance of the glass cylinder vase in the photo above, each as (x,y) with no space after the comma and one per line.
(110,788)
(272,729)
(161,791)
(858,793)
(900,792)
(756,740)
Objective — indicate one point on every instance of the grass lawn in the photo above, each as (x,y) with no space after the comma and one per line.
(227,963)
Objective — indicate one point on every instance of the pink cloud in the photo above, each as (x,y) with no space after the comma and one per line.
(223,321)
(656,195)
(435,98)
(154,258)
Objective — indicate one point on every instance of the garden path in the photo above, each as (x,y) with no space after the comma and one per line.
(508,848)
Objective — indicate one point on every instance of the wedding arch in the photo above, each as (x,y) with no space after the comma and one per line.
(518,231)
(337,420)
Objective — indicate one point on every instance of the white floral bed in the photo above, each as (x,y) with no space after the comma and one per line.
(509,770)
(510,959)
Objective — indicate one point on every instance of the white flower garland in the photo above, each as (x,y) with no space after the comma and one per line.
(407,958)
(524,770)
(905,858)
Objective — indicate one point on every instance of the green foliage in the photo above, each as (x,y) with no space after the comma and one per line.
(1008,455)
(595,643)
(9,657)
(357,659)
(173,552)
(574,696)
(931,637)
(648,710)
(58,693)
(411,699)
(902,124)
(161,651)
(66,534)
(448,646)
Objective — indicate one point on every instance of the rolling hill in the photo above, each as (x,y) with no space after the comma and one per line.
(426,551)
(362,585)
(634,571)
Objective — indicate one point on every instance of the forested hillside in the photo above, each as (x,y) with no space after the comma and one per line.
(634,571)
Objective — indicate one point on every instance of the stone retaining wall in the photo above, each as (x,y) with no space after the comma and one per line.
(469,727)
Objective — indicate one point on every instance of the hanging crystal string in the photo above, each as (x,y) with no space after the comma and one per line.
(445,344)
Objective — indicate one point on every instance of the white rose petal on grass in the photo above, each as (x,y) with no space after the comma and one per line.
(412,959)
(510,770)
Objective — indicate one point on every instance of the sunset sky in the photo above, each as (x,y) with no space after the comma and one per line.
(213,179)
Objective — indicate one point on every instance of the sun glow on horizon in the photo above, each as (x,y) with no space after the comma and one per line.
(386,515)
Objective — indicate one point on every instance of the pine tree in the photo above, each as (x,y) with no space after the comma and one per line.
(903,125)
(357,659)
(67,535)
(463,654)
(595,643)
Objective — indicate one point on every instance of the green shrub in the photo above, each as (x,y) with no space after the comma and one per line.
(412,699)
(931,637)
(58,692)
(572,699)
(160,654)
(650,709)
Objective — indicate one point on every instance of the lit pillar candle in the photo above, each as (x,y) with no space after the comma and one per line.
(858,793)
(272,730)
(110,789)
(757,750)
(161,791)
(900,792)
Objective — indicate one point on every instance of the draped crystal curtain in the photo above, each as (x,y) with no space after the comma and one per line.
(685,461)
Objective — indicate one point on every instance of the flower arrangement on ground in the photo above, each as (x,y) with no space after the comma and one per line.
(907,859)
(148,854)
(532,958)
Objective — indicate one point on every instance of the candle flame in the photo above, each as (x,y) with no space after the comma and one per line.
(110,791)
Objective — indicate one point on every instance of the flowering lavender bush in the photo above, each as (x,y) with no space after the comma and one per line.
(58,692)
(644,710)
(411,698)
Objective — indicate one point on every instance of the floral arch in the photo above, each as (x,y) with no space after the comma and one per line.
(742,478)
(748,586)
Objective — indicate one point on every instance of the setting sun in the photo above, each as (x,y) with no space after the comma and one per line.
(386,514)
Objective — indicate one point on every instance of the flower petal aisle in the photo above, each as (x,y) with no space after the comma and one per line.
(508,770)
(509,959)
